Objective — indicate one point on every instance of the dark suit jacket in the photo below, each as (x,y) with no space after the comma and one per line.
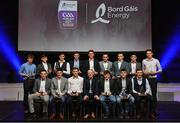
(80,65)
(112,86)
(41,67)
(86,86)
(47,85)
(116,69)
(138,66)
(87,66)
(128,86)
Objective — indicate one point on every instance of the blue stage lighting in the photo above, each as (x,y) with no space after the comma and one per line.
(171,50)
(8,51)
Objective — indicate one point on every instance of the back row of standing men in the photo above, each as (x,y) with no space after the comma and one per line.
(150,67)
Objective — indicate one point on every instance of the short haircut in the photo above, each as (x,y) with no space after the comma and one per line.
(43,56)
(123,70)
(133,54)
(76,52)
(120,53)
(91,50)
(105,54)
(30,56)
(59,69)
(75,68)
(107,72)
(149,50)
(43,70)
(139,70)
(61,54)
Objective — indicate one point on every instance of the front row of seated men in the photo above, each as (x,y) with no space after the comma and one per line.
(76,90)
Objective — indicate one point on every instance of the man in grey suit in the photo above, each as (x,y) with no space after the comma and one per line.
(134,65)
(105,64)
(119,65)
(42,90)
(59,88)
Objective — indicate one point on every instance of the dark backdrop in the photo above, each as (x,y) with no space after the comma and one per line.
(165,16)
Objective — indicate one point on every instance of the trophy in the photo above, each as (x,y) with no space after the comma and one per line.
(123,93)
(142,91)
(74,93)
(58,93)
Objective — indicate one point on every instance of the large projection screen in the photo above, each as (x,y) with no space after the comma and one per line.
(69,25)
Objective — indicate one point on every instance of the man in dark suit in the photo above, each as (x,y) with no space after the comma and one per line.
(90,88)
(119,65)
(59,88)
(107,90)
(124,91)
(134,65)
(44,66)
(91,63)
(42,90)
(76,62)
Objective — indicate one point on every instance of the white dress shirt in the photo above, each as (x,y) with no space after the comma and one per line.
(105,64)
(123,83)
(106,86)
(67,67)
(42,86)
(90,90)
(148,88)
(75,84)
(151,65)
(133,67)
(91,64)
(45,66)
(59,85)
(119,64)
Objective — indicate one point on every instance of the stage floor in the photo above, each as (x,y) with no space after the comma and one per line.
(13,111)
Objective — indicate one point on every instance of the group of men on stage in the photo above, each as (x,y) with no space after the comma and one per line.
(91,82)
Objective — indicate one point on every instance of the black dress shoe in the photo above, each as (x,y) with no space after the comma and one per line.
(32,116)
(127,116)
(152,116)
(45,115)
(138,116)
(121,116)
(106,115)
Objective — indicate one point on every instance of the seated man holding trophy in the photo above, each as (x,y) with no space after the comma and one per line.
(107,90)
(124,90)
(75,90)
(42,90)
(141,90)
(59,88)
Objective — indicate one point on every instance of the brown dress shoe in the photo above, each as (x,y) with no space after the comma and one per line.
(86,116)
(93,115)
(73,115)
(52,117)
(61,116)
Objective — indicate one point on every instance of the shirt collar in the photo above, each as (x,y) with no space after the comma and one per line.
(43,80)
(139,79)
(62,62)
(91,59)
(149,59)
(76,60)
(105,62)
(75,77)
(133,61)
(120,61)
(29,63)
